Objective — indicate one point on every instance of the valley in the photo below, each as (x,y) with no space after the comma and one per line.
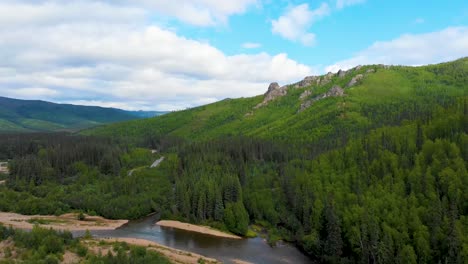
(365,165)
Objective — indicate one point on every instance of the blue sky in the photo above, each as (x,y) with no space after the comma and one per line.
(170,55)
(338,35)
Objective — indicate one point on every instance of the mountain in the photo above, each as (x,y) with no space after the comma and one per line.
(367,165)
(316,109)
(33,115)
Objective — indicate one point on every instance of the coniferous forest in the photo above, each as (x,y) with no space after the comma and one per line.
(376,176)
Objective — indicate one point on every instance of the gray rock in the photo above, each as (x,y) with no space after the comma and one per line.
(274,91)
(370,71)
(326,79)
(309,80)
(341,73)
(305,105)
(305,94)
(335,91)
(273,86)
(355,80)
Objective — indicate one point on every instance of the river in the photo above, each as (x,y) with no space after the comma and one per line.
(254,250)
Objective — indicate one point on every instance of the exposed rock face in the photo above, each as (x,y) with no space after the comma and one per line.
(326,79)
(341,73)
(274,91)
(357,68)
(355,80)
(309,80)
(370,71)
(333,92)
(272,87)
(306,105)
(305,94)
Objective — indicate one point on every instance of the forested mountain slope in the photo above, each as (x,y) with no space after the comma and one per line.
(368,165)
(32,115)
(364,166)
(373,96)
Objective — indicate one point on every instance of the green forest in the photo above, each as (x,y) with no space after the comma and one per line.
(376,176)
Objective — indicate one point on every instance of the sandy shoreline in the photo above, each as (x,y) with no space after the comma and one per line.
(175,255)
(64,222)
(196,228)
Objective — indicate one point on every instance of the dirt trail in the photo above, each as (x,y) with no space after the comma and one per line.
(157,162)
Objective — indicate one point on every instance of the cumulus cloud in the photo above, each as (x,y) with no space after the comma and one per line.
(344,3)
(412,49)
(296,22)
(111,56)
(195,12)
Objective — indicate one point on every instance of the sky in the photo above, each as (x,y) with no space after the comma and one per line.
(172,55)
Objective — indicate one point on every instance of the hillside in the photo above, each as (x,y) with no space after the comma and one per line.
(29,116)
(308,111)
(364,166)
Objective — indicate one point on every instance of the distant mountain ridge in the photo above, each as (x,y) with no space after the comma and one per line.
(34,115)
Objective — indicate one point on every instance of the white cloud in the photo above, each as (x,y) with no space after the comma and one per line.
(251,45)
(196,12)
(295,23)
(98,56)
(344,3)
(412,49)
(30,92)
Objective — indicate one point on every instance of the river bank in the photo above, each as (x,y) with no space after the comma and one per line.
(68,222)
(175,255)
(196,228)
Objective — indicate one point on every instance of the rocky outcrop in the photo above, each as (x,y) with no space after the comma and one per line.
(306,105)
(274,91)
(355,80)
(341,73)
(308,81)
(305,94)
(314,80)
(370,71)
(335,91)
(327,78)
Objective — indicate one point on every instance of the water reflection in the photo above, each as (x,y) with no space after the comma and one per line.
(254,250)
